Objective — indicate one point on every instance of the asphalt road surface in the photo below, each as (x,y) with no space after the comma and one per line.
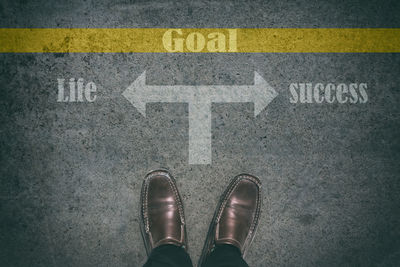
(71,172)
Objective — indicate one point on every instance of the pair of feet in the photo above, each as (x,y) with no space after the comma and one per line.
(234,222)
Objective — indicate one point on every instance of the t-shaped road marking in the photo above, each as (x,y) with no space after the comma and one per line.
(199,98)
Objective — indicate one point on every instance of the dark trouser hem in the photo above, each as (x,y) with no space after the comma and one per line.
(174,256)
(225,256)
(168,256)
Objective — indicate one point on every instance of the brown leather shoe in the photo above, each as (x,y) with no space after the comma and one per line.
(161,218)
(236,217)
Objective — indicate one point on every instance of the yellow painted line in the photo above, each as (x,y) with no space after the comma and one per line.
(221,40)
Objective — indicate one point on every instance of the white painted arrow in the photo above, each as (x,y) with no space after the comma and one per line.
(199,98)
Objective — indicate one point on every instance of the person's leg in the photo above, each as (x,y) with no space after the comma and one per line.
(225,256)
(168,256)
(234,224)
(162,221)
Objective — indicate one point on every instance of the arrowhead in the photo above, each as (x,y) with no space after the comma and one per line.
(133,93)
(264,93)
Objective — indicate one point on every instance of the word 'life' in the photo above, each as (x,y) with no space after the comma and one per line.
(78,91)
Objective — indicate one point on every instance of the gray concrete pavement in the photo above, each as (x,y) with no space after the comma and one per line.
(71,172)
